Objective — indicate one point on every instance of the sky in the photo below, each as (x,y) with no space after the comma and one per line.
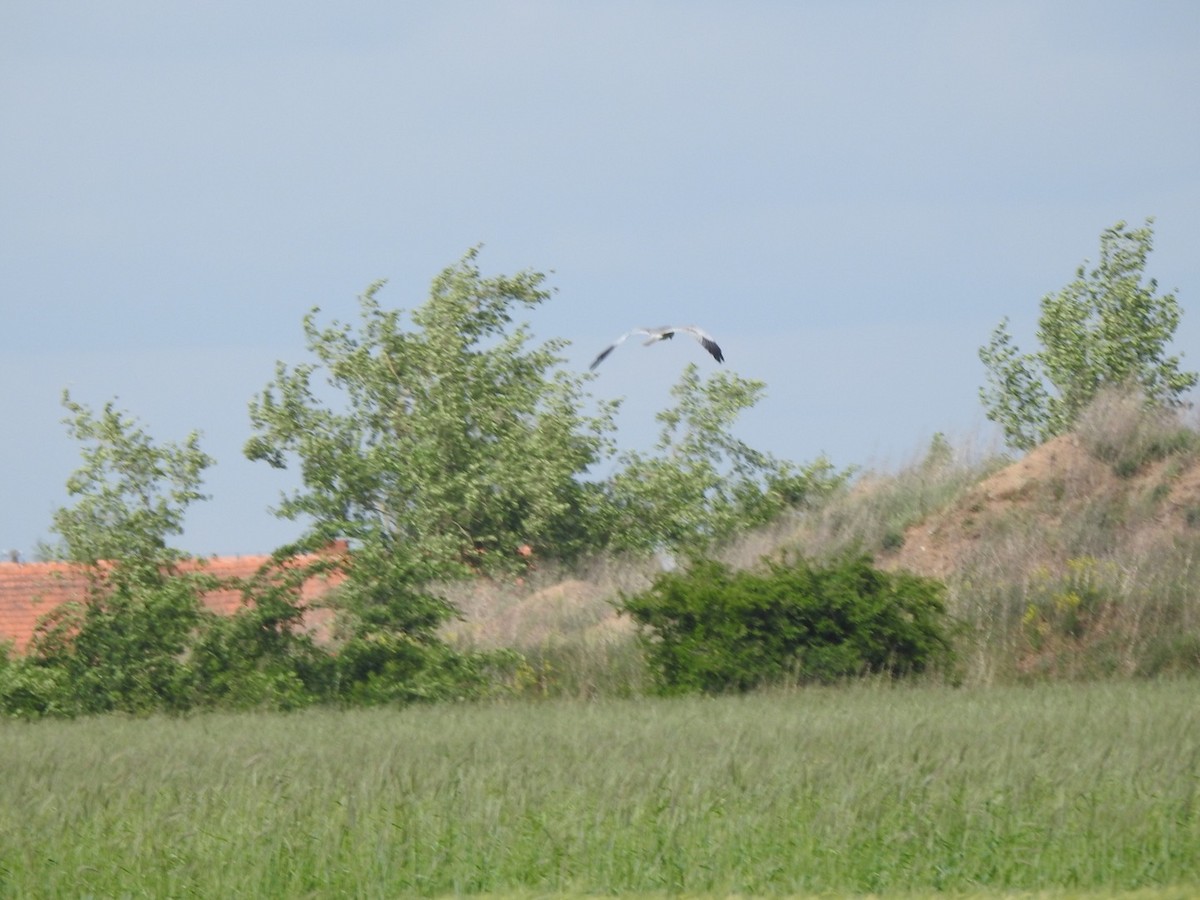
(848,195)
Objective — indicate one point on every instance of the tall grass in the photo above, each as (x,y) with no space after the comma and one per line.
(1084,569)
(1087,570)
(1093,573)
(849,790)
(880,505)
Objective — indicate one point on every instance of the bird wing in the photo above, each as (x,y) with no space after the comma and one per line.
(706,341)
(614,345)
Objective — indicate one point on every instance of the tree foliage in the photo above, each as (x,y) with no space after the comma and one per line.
(451,443)
(123,647)
(130,494)
(439,444)
(703,484)
(140,638)
(261,656)
(1108,327)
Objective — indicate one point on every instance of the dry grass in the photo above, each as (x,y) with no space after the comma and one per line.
(549,605)
(1080,559)
(563,622)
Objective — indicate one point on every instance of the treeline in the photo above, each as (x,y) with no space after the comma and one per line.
(436,442)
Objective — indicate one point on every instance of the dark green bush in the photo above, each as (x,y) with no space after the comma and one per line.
(123,649)
(713,630)
(389,649)
(261,657)
(27,689)
(390,667)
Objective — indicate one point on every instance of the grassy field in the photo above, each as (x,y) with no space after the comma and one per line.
(1075,790)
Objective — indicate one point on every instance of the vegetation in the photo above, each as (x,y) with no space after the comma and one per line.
(1074,574)
(1078,563)
(1120,429)
(714,630)
(1079,575)
(452,444)
(909,791)
(456,443)
(131,494)
(703,485)
(1105,329)
(141,640)
(442,446)
(121,648)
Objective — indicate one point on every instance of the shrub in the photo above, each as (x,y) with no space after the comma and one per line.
(389,648)
(712,630)
(27,689)
(261,657)
(124,649)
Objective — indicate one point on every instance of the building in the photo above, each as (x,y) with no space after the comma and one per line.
(30,590)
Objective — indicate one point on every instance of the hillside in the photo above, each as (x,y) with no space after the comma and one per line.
(1062,499)
(1076,560)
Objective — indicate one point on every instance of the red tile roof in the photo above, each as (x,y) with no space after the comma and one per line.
(30,590)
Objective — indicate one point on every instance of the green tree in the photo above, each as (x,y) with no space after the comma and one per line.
(703,484)
(452,444)
(437,446)
(124,647)
(1108,327)
(261,656)
(131,495)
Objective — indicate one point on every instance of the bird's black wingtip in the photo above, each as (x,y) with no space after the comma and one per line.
(711,347)
(599,359)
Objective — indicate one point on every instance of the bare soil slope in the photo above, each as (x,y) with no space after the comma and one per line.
(1048,505)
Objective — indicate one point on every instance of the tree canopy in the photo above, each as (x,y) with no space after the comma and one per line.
(130,494)
(1107,328)
(702,484)
(450,443)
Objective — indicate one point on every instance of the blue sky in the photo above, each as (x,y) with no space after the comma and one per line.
(848,195)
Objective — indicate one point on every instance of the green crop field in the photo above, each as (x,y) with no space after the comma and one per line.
(1056,790)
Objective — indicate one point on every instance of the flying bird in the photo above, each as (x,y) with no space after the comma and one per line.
(664,334)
